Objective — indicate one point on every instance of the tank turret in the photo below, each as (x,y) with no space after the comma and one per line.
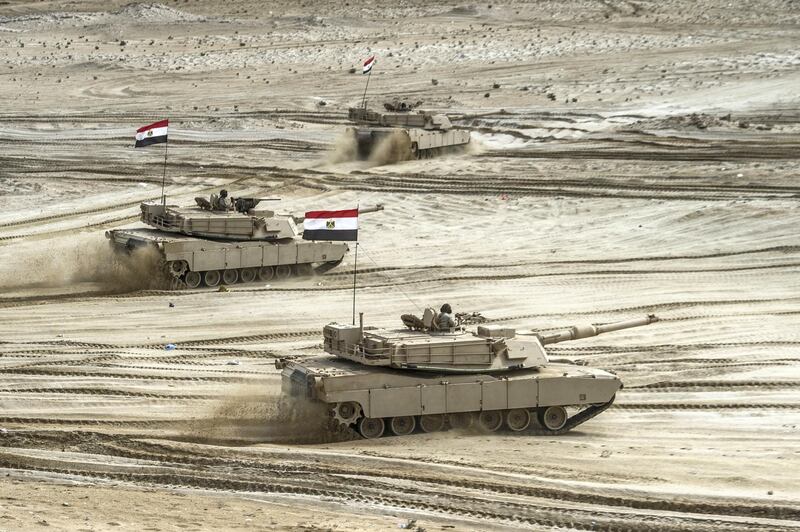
(242,222)
(419,119)
(377,380)
(221,224)
(421,347)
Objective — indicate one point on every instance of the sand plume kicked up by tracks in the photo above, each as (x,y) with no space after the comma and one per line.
(80,259)
(391,149)
(258,414)
(345,149)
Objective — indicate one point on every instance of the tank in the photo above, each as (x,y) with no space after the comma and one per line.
(419,134)
(379,381)
(206,245)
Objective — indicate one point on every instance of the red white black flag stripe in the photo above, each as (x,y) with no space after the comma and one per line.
(152,134)
(331,225)
(368,64)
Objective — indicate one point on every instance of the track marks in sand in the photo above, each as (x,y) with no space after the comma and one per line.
(587,188)
(397,484)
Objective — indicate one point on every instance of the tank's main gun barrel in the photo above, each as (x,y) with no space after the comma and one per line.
(374,208)
(361,210)
(586,331)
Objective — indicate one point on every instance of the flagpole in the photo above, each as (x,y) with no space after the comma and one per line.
(164,177)
(355,270)
(364,99)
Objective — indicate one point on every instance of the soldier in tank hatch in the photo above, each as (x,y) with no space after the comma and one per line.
(445,321)
(224,202)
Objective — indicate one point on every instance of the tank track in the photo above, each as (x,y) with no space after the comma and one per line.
(176,280)
(341,425)
(578,419)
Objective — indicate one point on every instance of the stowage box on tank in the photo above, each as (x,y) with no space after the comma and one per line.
(206,245)
(401,380)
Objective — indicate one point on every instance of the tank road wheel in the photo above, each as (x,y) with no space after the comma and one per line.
(431,422)
(177,267)
(402,425)
(553,417)
(490,420)
(518,419)
(346,413)
(193,279)
(284,271)
(230,276)
(211,277)
(371,427)
(248,275)
(304,270)
(461,420)
(266,273)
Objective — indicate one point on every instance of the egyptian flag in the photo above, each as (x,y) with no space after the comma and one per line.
(331,225)
(152,134)
(368,64)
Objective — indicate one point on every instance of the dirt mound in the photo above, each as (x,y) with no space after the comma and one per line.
(690,121)
(158,13)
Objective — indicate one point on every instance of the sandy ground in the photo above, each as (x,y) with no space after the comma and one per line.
(631,157)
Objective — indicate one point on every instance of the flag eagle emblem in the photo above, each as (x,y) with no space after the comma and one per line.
(330,224)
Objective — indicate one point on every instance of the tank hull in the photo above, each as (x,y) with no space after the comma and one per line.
(188,260)
(387,394)
(420,143)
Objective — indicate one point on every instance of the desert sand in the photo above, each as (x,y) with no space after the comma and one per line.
(627,158)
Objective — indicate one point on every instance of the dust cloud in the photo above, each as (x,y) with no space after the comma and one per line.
(475,147)
(391,149)
(254,413)
(345,149)
(80,259)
